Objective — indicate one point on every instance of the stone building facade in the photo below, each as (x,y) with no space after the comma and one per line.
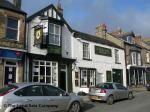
(12,42)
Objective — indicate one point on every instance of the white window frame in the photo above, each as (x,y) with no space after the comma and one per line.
(134,62)
(117,56)
(86,50)
(88,78)
(53,71)
(54,33)
(17,29)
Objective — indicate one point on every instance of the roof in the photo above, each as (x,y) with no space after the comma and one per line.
(46,8)
(95,39)
(9,6)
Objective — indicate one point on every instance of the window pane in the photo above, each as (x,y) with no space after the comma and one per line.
(51,91)
(51,39)
(11,34)
(57,29)
(48,71)
(57,39)
(35,79)
(51,28)
(12,23)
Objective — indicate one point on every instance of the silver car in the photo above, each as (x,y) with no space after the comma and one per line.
(37,97)
(109,92)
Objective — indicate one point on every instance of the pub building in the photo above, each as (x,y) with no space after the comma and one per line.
(49,58)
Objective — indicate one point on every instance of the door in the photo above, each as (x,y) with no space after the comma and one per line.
(63,80)
(10,72)
(122,91)
(56,98)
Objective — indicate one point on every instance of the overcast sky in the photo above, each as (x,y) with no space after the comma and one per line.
(85,15)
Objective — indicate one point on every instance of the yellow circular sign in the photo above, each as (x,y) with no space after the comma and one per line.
(38,34)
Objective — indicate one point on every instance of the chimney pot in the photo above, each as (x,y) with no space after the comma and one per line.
(17,3)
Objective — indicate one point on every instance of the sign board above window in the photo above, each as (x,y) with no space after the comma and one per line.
(103,51)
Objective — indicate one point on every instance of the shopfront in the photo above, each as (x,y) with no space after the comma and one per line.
(136,76)
(11,66)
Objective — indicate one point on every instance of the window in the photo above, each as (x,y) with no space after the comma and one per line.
(147,58)
(130,39)
(34,90)
(87,78)
(12,28)
(121,87)
(86,51)
(54,34)
(136,58)
(45,72)
(52,91)
(117,60)
(105,86)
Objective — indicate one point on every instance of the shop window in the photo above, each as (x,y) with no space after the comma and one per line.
(12,28)
(87,78)
(54,34)
(108,76)
(45,72)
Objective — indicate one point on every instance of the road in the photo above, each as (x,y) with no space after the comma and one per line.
(141,103)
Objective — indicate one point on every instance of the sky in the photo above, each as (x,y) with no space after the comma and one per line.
(85,15)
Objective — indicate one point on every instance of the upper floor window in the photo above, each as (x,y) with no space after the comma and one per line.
(12,28)
(130,39)
(86,51)
(136,58)
(147,58)
(117,58)
(54,34)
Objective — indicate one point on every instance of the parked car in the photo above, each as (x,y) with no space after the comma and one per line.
(37,97)
(109,92)
(148,87)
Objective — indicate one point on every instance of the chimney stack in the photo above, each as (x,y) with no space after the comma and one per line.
(59,8)
(101,31)
(138,39)
(17,3)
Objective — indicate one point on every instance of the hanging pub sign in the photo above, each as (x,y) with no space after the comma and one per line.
(38,33)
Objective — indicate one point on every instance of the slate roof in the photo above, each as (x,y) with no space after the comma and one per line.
(46,8)
(95,39)
(4,4)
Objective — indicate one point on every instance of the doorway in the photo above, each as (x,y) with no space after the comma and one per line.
(63,78)
(10,72)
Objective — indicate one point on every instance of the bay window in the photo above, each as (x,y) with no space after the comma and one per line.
(54,34)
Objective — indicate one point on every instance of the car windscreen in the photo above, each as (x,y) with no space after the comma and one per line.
(7,88)
(105,86)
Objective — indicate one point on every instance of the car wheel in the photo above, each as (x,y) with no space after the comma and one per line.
(110,100)
(18,110)
(75,107)
(130,96)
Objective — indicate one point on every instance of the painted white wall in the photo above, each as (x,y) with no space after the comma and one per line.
(99,62)
(31,47)
(66,42)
